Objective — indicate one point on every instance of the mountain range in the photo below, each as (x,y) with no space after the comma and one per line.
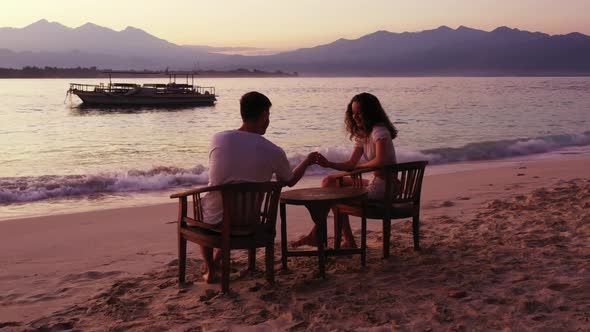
(441,51)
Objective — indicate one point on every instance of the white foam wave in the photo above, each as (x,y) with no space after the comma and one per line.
(506,148)
(29,189)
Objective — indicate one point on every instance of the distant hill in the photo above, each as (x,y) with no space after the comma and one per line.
(52,44)
(445,51)
(441,51)
(44,36)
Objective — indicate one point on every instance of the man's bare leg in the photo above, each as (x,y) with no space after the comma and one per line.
(217,259)
(210,276)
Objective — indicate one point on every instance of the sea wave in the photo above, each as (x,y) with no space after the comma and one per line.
(489,150)
(505,148)
(29,189)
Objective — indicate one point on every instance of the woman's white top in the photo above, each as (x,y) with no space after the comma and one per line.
(368,144)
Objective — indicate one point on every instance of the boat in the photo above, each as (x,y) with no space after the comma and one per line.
(148,94)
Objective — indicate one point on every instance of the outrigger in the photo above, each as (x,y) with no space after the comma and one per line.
(171,93)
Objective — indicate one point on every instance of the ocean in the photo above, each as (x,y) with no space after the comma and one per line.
(57,156)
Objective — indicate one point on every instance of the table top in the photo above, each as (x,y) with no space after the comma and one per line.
(325,195)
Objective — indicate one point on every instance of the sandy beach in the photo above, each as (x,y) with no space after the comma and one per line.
(505,246)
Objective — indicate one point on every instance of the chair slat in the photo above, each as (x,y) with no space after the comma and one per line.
(412,182)
(266,206)
(404,181)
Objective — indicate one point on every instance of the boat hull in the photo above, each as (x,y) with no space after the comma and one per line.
(93,98)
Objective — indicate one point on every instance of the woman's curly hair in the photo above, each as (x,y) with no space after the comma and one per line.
(372,113)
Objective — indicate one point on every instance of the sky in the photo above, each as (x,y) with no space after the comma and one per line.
(285,24)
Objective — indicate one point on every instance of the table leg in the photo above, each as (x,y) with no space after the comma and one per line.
(337,230)
(363,233)
(283,236)
(319,214)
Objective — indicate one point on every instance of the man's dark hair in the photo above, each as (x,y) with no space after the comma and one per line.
(253,104)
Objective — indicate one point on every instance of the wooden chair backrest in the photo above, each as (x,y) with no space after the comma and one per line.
(403,182)
(406,182)
(248,205)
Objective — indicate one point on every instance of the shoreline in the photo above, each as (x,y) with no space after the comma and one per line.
(93,203)
(53,262)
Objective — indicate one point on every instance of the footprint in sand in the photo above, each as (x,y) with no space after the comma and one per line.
(512,187)
(90,275)
(208,295)
(9,324)
(532,307)
(496,301)
(457,294)
(62,326)
(558,287)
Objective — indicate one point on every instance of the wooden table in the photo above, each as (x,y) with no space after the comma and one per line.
(318,202)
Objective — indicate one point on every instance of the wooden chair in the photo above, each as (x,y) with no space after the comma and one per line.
(403,186)
(249,218)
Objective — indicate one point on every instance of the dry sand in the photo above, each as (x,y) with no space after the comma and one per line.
(506,245)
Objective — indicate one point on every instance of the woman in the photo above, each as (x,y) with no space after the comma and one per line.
(368,124)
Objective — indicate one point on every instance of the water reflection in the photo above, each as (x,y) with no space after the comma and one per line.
(85,110)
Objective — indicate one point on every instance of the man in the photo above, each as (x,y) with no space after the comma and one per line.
(244,155)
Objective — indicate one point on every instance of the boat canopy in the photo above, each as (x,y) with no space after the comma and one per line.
(171,74)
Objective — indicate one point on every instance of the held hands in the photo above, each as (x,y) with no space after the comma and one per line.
(312,158)
(317,158)
(322,161)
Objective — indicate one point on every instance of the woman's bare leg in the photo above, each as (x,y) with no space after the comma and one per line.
(307,240)
(348,239)
(347,236)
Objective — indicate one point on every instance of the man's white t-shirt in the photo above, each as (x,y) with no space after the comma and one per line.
(239,156)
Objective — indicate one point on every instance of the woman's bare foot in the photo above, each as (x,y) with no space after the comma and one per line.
(308,240)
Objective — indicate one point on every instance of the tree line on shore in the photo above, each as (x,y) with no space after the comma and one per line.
(94,72)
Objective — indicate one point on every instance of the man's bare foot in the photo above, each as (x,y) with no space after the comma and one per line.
(308,240)
(210,278)
(348,245)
